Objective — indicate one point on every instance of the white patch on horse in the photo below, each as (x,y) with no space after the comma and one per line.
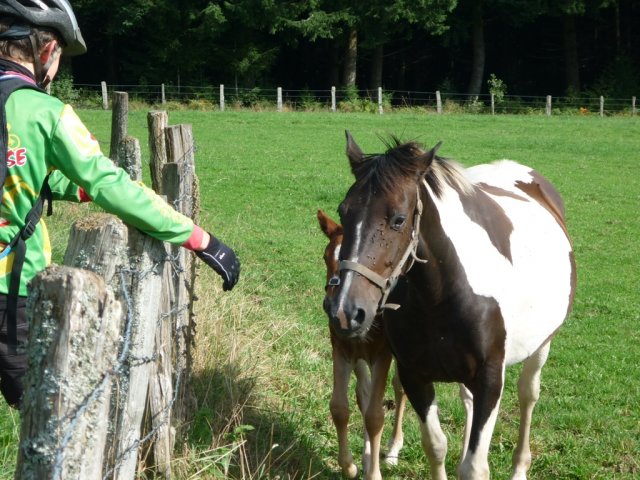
(533,290)
(353,257)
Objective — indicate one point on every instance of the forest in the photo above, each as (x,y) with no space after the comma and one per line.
(534,47)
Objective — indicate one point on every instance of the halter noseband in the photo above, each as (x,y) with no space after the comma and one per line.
(386,284)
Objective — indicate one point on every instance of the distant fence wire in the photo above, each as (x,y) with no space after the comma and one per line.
(350,100)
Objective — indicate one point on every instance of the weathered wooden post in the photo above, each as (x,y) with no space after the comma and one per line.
(181,188)
(73,340)
(162,95)
(438,102)
(601,106)
(221,97)
(157,122)
(119,122)
(633,106)
(128,157)
(493,104)
(105,97)
(333,99)
(380,109)
(548,106)
(279,104)
(132,263)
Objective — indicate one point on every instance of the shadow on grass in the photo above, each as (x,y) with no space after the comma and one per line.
(251,440)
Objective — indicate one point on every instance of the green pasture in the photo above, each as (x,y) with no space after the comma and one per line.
(262,367)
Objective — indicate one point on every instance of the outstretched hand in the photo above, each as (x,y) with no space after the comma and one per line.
(223,261)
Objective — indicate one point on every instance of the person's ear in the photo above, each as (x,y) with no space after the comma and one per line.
(49,52)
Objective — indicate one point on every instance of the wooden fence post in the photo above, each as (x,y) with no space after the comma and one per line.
(633,106)
(73,341)
(601,106)
(105,97)
(438,102)
(333,99)
(279,104)
(164,98)
(119,122)
(157,123)
(380,108)
(181,188)
(132,263)
(548,106)
(129,156)
(221,97)
(493,104)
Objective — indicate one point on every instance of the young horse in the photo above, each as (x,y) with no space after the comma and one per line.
(357,354)
(481,265)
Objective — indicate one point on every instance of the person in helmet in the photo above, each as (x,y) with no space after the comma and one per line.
(51,154)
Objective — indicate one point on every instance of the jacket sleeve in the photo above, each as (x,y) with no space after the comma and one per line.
(64,189)
(76,153)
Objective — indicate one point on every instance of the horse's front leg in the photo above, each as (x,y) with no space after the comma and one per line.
(434,442)
(374,415)
(339,407)
(528,394)
(397,438)
(487,391)
(467,400)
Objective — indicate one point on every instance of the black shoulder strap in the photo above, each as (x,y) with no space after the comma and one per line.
(18,246)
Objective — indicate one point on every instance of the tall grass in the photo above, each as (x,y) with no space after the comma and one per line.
(262,367)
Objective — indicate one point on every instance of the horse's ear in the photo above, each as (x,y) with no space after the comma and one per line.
(327,225)
(354,153)
(427,157)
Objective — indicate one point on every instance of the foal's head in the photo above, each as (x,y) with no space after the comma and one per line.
(378,216)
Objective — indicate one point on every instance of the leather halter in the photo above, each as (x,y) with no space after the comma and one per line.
(386,284)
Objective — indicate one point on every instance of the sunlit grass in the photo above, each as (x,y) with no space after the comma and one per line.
(262,371)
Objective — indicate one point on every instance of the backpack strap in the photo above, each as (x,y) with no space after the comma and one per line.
(8,84)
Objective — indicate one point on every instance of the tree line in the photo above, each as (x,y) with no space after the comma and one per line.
(535,47)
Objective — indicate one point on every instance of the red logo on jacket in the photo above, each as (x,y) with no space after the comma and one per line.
(16,157)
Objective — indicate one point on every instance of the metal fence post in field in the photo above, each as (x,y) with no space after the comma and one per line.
(73,340)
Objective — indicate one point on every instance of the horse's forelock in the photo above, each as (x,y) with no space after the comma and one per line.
(382,172)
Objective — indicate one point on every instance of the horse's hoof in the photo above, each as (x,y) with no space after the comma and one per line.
(350,471)
(391,460)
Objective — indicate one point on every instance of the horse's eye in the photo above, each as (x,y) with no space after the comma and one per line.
(397,221)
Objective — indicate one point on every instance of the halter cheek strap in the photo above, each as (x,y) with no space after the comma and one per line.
(386,284)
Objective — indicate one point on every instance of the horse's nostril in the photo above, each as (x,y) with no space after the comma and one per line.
(358,319)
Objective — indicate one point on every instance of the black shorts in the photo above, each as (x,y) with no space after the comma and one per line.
(13,360)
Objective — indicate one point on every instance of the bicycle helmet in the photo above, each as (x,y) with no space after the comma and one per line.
(54,15)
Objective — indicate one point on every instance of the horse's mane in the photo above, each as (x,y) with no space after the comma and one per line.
(401,160)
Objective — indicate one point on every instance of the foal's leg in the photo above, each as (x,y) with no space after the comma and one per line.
(434,442)
(397,438)
(339,407)
(467,400)
(374,416)
(487,391)
(363,395)
(528,394)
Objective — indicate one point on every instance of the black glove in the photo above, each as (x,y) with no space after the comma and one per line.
(223,261)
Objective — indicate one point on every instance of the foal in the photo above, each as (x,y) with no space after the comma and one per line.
(358,354)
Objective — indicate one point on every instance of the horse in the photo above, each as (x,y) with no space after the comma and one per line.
(473,270)
(360,355)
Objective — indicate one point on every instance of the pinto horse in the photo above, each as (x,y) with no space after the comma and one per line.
(360,356)
(474,271)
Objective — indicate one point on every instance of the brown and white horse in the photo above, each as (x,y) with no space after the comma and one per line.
(481,265)
(360,355)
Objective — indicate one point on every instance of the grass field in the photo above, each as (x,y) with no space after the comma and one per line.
(263,366)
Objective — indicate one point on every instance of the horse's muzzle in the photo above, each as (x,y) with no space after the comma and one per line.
(349,322)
